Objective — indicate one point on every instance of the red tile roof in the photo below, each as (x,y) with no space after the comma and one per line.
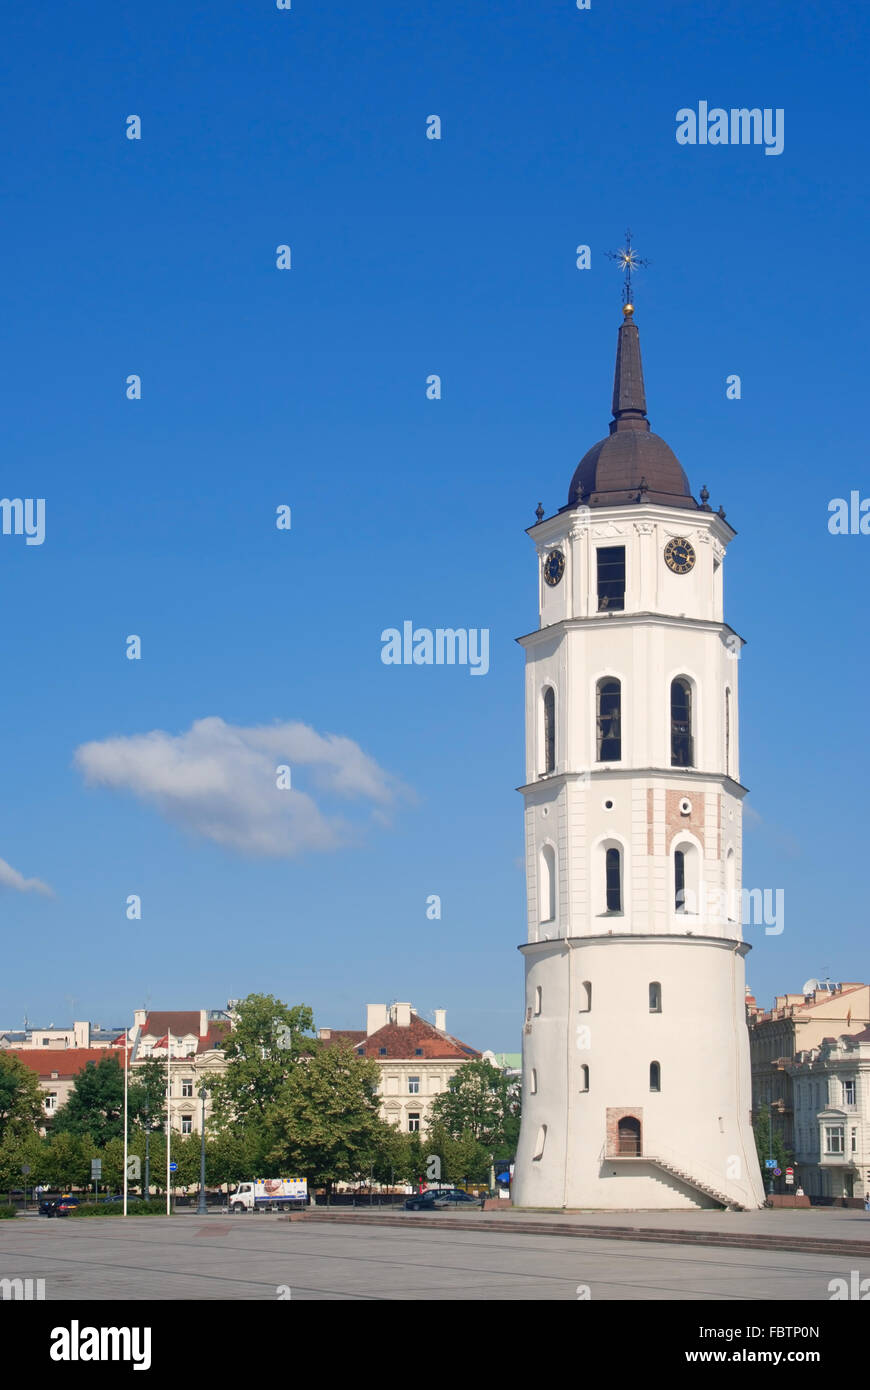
(396,1042)
(217,1031)
(179,1023)
(66,1061)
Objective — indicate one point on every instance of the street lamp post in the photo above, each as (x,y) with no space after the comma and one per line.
(201,1207)
(147,1192)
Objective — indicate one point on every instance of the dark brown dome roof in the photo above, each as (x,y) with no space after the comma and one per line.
(632,464)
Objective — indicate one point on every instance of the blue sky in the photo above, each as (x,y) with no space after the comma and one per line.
(307,387)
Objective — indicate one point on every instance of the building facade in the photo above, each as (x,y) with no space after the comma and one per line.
(831,1090)
(636,1082)
(187,1042)
(417,1060)
(797,1023)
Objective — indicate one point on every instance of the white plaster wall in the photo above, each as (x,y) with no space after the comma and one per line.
(701,1115)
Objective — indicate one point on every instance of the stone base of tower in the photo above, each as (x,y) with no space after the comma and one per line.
(636,1083)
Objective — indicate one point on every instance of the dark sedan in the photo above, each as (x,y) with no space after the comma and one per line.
(57,1206)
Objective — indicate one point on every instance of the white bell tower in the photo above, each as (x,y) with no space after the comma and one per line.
(636,1082)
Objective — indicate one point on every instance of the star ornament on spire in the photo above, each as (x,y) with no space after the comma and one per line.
(628,260)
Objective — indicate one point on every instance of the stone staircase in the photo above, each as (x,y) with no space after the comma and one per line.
(700,1185)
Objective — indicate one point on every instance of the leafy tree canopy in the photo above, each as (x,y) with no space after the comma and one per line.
(262,1052)
(483,1103)
(95,1105)
(21,1099)
(327,1127)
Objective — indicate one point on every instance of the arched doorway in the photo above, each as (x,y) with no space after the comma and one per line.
(628,1135)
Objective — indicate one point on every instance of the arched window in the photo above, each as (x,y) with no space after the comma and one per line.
(548,884)
(585,997)
(584,1078)
(549,729)
(688,889)
(609,736)
(613,880)
(539,995)
(731,886)
(679,881)
(533,1086)
(655,1076)
(682,750)
(727,732)
(655,997)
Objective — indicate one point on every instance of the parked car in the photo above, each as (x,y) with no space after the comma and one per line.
(58,1206)
(421,1201)
(441,1199)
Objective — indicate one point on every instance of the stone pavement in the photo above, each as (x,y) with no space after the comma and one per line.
(267,1257)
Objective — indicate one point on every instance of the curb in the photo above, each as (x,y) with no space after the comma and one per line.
(808,1245)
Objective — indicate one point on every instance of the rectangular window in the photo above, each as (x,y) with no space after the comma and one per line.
(611,578)
(413,1123)
(854,1141)
(413,1085)
(833,1139)
(849,1088)
(187,1087)
(187,1124)
(51,1101)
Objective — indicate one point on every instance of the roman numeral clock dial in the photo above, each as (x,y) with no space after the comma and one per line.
(554,567)
(679,555)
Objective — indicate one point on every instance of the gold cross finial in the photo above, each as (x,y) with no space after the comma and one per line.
(628,260)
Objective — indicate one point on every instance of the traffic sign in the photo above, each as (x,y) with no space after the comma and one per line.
(789,1179)
(790,1170)
(770,1163)
(777,1172)
(96,1168)
(173,1167)
(25,1168)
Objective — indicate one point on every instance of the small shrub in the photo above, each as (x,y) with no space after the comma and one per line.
(135,1207)
(7,1212)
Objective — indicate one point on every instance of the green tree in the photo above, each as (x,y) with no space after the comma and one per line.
(96,1102)
(483,1103)
(463,1158)
(232,1156)
(22,1106)
(146,1096)
(261,1052)
(326,1126)
(763,1145)
(68,1160)
(400,1158)
(19,1148)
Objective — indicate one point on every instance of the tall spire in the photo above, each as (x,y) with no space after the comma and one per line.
(629,398)
(631,464)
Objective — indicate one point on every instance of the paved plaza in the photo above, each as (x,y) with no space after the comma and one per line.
(267,1257)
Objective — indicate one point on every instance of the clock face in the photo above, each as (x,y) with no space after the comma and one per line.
(679,555)
(554,567)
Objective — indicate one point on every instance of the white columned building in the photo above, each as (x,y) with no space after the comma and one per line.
(636,1078)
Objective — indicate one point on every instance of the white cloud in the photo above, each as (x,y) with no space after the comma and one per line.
(11,878)
(218,780)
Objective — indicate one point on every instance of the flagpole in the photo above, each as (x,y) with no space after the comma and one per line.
(168,1126)
(126,1119)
